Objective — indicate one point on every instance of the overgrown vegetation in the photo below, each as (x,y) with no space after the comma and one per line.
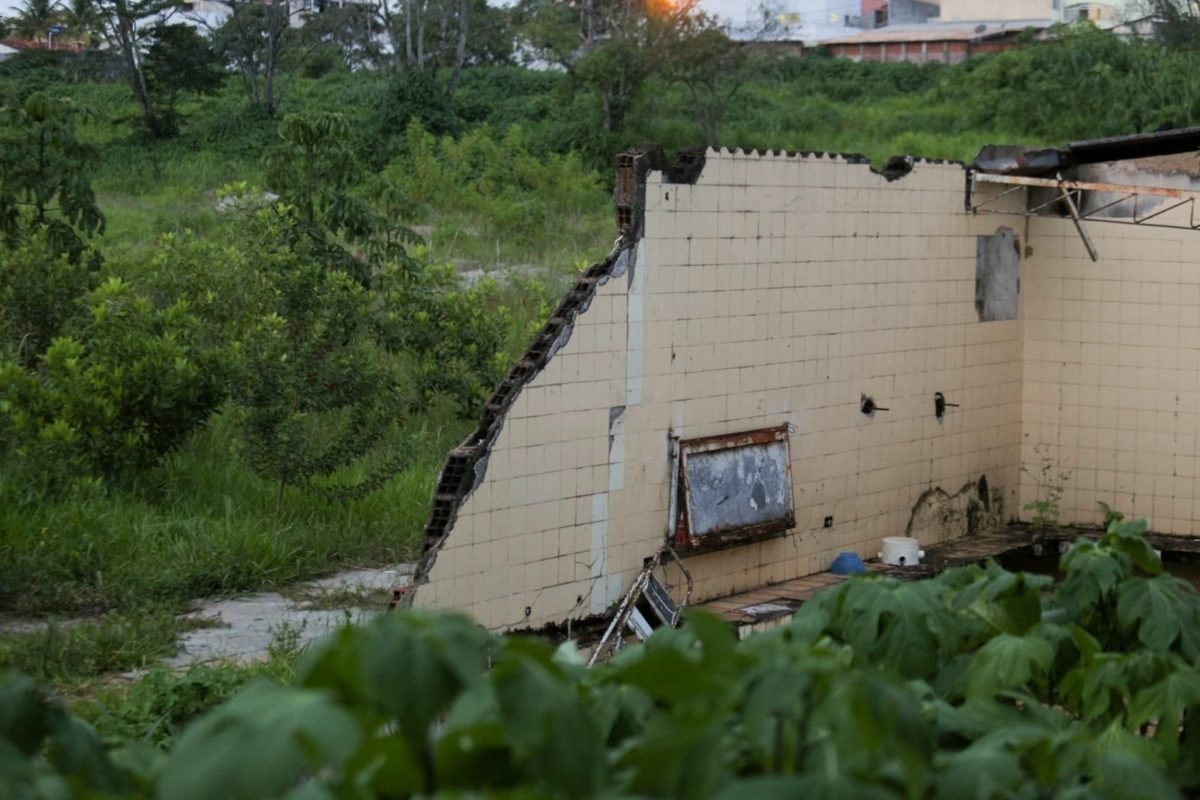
(978,683)
(243,316)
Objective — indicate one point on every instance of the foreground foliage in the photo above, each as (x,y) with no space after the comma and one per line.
(980,683)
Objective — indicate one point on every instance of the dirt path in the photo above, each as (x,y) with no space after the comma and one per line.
(245,629)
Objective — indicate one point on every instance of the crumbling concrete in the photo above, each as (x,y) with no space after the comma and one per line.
(974,509)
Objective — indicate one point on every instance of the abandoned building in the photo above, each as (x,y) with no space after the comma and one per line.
(790,356)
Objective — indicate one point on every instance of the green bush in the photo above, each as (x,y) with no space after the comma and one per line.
(29,71)
(977,683)
(414,96)
(497,181)
(40,292)
(455,336)
(125,386)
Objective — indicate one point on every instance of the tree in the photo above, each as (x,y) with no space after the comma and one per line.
(261,39)
(125,384)
(83,22)
(126,27)
(445,34)
(607,46)
(179,62)
(43,175)
(712,68)
(34,19)
(1179,22)
(313,170)
(313,390)
(347,33)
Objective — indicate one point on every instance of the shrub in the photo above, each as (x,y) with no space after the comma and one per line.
(40,292)
(126,385)
(455,336)
(513,194)
(977,683)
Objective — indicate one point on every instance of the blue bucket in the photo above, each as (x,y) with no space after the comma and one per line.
(847,564)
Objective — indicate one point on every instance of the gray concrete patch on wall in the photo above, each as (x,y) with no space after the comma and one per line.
(997,275)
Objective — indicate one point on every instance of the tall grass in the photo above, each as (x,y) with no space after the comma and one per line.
(205,524)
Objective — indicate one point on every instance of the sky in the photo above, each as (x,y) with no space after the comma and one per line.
(730,9)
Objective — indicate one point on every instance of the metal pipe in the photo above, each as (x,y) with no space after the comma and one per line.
(673,500)
(1087,242)
(1085,186)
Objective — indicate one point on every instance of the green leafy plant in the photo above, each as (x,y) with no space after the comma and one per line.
(313,169)
(454,335)
(124,386)
(1050,480)
(314,391)
(977,683)
(43,174)
(1111,515)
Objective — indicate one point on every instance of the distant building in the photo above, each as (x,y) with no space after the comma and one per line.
(1138,28)
(10,47)
(931,42)
(973,10)
(1090,12)
(942,31)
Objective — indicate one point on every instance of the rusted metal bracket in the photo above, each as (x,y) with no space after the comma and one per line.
(1087,240)
(1142,210)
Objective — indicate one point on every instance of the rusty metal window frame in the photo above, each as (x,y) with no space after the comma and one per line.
(681,533)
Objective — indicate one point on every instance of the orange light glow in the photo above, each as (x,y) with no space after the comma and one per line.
(665,8)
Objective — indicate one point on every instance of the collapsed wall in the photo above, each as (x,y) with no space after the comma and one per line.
(775,294)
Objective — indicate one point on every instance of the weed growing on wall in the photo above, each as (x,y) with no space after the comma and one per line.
(1050,480)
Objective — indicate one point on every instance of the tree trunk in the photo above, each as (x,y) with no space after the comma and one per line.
(408,33)
(421,38)
(124,29)
(460,54)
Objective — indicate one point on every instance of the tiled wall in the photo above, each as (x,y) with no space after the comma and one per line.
(776,290)
(1112,371)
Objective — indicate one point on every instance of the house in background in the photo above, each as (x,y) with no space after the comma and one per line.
(9,47)
(1100,13)
(951,31)
(998,10)
(931,42)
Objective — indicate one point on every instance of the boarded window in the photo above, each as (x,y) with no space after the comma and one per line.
(997,271)
(734,488)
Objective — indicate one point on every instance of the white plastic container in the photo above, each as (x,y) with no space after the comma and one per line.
(901,551)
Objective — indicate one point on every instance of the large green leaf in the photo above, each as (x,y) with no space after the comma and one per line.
(1166,703)
(983,771)
(1165,612)
(546,720)
(25,715)
(1093,572)
(258,745)
(1008,662)
(697,664)
(436,656)
(1010,602)
(1122,775)
(901,625)
(1099,688)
